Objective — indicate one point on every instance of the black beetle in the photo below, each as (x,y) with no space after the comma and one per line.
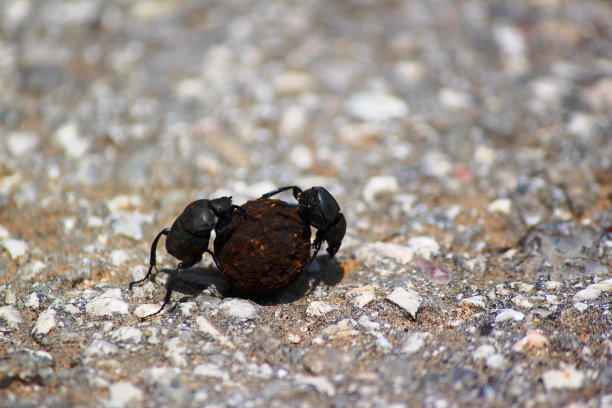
(187,239)
(321,210)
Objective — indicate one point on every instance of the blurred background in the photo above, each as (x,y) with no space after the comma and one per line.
(412,113)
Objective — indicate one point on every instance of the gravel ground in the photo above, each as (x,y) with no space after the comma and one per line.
(469,144)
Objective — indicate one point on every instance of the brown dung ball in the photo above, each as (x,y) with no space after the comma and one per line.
(265,252)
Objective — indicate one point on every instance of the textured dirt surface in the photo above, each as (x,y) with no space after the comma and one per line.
(468,144)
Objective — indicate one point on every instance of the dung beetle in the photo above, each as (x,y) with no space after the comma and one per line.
(187,239)
(320,209)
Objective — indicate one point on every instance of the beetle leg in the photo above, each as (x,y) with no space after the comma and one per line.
(152,262)
(185,264)
(296,191)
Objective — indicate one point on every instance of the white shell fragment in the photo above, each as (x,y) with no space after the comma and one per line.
(45,322)
(566,378)
(407,299)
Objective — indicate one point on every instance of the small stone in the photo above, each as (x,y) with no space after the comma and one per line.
(553,285)
(424,246)
(119,256)
(496,361)
(240,308)
(379,185)
(107,304)
(454,99)
(211,370)
(33,301)
(129,224)
(565,378)
(483,352)
(501,205)
(376,106)
(15,247)
(9,297)
(127,334)
(362,300)
(509,314)
(318,308)
(301,156)
(370,253)
(124,392)
(176,351)
(599,95)
(321,384)
(594,290)
(147,309)
(414,342)
(407,299)
(474,301)
(206,327)
(522,301)
(11,316)
(533,342)
(580,306)
(187,308)
(67,137)
(100,348)
(21,143)
(45,322)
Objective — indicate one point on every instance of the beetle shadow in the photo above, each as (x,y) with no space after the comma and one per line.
(320,271)
(192,281)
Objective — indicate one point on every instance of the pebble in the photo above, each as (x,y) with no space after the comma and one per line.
(483,352)
(45,322)
(474,301)
(9,297)
(127,334)
(501,205)
(147,309)
(376,106)
(119,257)
(301,156)
(129,224)
(318,308)
(454,99)
(100,348)
(379,185)
(321,384)
(407,299)
(107,304)
(363,299)
(414,342)
(21,143)
(424,246)
(569,378)
(580,306)
(176,351)
(240,308)
(370,253)
(553,285)
(522,301)
(11,315)
(206,327)
(599,95)
(124,392)
(15,247)
(533,342)
(68,138)
(211,370)
(593,291)
(509,314)
(496,361)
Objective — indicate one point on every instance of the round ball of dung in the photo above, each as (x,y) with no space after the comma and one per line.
(266,251)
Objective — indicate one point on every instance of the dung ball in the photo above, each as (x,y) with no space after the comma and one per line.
(265,252)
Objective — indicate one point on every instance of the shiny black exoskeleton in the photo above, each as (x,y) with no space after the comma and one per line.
(187,239)
(321,210)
